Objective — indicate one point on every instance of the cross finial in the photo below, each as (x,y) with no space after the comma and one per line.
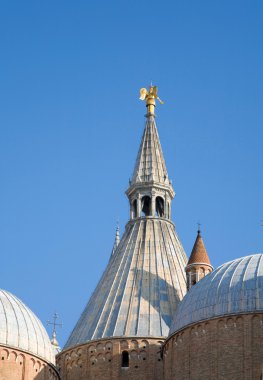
(199,228)
(54,323)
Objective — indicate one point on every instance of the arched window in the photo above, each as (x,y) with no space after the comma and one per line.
(134,208)
(125,359)
(159,206)
(146,206)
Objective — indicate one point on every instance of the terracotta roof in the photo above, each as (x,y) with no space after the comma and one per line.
(199,254)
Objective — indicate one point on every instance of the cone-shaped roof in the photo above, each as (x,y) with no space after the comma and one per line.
(150,165)
(145,278)
(199,254)
(140,288)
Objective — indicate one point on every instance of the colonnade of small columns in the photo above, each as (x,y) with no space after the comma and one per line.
(153,206)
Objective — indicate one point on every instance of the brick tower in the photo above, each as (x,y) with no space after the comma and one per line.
(199,264)
(122,328)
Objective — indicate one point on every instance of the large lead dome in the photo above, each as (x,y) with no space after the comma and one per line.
(235,287)
(21,329)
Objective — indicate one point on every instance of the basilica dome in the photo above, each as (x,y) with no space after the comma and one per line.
(234,288)
(21,329)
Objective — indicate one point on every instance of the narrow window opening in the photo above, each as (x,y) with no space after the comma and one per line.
(125,359)
(134,208)
(159,207)
(146,206)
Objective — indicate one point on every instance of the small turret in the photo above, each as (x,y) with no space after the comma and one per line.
(199,264)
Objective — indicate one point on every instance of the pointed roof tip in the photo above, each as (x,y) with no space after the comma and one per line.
(150,164)
(117,239)
(199,253)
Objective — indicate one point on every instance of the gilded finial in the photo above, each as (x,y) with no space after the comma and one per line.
(149,97)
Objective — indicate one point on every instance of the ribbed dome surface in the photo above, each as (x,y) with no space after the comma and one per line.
(233,288)
(21,329)
(140,288)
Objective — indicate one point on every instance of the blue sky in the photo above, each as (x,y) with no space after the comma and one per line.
(71,123)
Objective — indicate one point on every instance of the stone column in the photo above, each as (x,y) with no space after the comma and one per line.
(153,205)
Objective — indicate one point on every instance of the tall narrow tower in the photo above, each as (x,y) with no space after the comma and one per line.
(119,333)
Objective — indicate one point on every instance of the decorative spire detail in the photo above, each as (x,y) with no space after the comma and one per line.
(149,97)
(53,340)
(117,239)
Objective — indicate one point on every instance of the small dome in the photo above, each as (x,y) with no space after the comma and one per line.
(21,329)
(235,287)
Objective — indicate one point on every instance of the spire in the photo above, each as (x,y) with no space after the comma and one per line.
(150,191)
(117,239)
(199,264)
(199,253)
(150,165)
(144,280)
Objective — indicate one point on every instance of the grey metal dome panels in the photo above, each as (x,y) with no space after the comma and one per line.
(233,288)
(150,164)
(140,288)
(21,329)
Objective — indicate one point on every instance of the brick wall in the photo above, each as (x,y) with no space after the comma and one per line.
(102,359)
(18,365)
(229,348)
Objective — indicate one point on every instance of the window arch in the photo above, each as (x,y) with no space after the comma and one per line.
(159,206)
(146,206)
(125,359)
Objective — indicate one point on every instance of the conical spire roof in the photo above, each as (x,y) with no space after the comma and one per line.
(144,280)
(150,165)
(199,254)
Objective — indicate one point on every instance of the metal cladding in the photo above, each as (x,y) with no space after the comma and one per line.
(234,288)
(145,278)
(140,288)
(150,164)
(21,329)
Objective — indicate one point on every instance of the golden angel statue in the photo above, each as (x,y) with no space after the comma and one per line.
(151,94)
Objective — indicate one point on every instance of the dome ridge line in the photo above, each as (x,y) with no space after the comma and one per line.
(12,307)
(6,326)
(156,270)
(168,262)
(116,292)
(234,272)
(134,280)
(27,312)
(141,278)
(126,264)
(222,277)
(179,259)
(28,336)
